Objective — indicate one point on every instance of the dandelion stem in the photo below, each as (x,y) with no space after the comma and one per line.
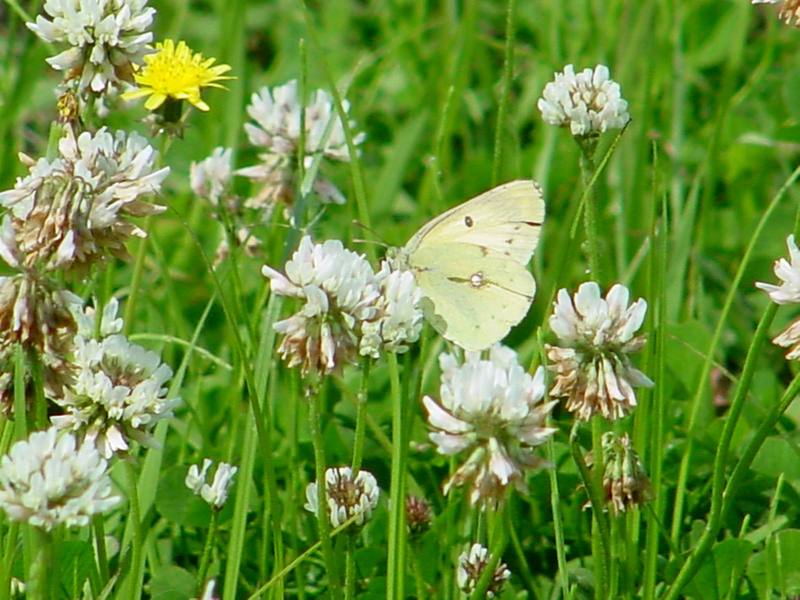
(206,558)
(395,566)
(323,519)
(361,415)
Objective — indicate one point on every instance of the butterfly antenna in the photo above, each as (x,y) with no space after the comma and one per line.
(380,242)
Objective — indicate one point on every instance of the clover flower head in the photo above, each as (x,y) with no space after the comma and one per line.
(73,211)
(347,496)
(418,515)
(119,392)
(211,176)
(625,483)
(400,318)
(589,102)
(49,479)
(591,364)
(105,39)
(788,292)
(175,72)
(37,315)
(215,493)
(471,565)
(495,410)
(276,113)
(340,291)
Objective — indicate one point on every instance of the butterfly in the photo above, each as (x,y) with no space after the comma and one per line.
(471,264)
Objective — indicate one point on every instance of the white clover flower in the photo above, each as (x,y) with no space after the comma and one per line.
(347,496)
(119,391)
(400,318)
(788,292)
(276,113)
(593,371)
(789,10)
(340,291)
(211,176)
(216,493)
(495,410)
(472,563)
(105,39)
(74,210)
(47,480)
(589,102)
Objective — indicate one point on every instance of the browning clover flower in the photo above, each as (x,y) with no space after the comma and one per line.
(347,496)
(73,211)
(47,480)
(625,482)
(593,371)
(400,318)
(37,315)
(418,515)
(106,38)
(211,177)
(340,292)
(788,12)
(471,565)
(788,292)
(176,73)
(277,116)
(216,493)
(494,409)
(119,390)
(589,103)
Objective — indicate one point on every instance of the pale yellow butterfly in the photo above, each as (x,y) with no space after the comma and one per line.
(471,263)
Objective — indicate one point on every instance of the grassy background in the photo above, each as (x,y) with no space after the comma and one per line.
(714,93)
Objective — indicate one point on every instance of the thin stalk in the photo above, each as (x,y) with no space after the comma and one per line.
(395,568)
(508,74)
(323,519)
(350,568)
(361,415)
(719,496)
(134,580)
(590,224)
(496,547)
(9,553)
(600,551)
(205,561)
(20,404)
(99,533)
(419,582)
(700,391)
(37,380)
(42,576)
(598,515)
(558,526)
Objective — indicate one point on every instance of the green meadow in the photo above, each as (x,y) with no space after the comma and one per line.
(688,206)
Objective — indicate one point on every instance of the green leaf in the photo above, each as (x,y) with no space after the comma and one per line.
(778,456)
(177,503)
(172,583)
(75,565)
(716,576)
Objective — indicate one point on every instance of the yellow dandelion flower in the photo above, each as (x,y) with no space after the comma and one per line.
(178,73)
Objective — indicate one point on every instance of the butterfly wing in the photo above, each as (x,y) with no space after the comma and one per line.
(506,219)
(471,263)
(477,295)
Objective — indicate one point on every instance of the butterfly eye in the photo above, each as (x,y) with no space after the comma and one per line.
(468,221)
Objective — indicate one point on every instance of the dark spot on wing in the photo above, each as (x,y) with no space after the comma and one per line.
(533,223)
(484,250)
(510,241)
(468,221)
